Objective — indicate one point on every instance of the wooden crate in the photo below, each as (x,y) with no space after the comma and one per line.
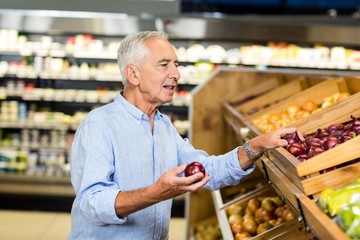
(248,185)
(203,225)
(273,96)
(261,88)
(285,171)
(320,223)
(264,87)
(198,208)
(316,93)
(236,114)
(306,175)
(292,228)
(312,216)
(208,123)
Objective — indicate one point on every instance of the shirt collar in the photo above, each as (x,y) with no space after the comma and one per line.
(132,110)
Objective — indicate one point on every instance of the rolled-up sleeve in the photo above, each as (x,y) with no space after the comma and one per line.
(92,174)
(224,170)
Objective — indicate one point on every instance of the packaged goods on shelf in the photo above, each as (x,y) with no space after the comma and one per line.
(272,54)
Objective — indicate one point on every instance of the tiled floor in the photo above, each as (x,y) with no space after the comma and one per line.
(34,225)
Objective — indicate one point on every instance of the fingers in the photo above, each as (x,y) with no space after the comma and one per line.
(275,138)
(284,131)
(290,130)
(194,178)
(300,135)
(197,184)
(282,143)
(178,170)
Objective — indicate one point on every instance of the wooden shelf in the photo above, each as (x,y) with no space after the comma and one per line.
(214,118)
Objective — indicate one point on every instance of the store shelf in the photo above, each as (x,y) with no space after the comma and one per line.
(206,108)
(21,184)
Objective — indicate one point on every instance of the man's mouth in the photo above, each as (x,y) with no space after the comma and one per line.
(170,87)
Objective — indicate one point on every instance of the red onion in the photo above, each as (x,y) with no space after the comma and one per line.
(315,151)
(322,140)
(334,127)
(331,142)
(193,168)
(345,138)
(312,139)
(347,135)
(354,125)
(291,137)
(356,128)
(321,133)
(302,157)
(355,120)
(296,149)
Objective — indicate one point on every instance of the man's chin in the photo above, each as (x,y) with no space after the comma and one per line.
(168,101)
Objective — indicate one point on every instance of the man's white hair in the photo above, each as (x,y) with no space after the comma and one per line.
(132,50)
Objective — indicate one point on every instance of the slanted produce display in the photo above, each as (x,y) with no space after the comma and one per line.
(295,112)
(329,162)
(330,124)
(206,230)
(257,215)
(261,215)
(300,106)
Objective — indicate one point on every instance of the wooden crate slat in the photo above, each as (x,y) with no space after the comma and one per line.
(338,113)
(320,223)
(335,178)
(316,93)
(275,95)
(343,153)
(261,87)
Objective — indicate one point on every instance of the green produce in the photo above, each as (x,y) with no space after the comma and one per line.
(349,220)
(332,200)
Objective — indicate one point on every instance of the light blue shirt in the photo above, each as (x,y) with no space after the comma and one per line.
(114,150)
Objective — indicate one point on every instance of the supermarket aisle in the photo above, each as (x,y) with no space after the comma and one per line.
(33,225)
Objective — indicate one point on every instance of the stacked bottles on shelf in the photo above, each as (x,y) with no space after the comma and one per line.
(29,92)
(283,54)
(26,115)
(49,59)
(35,152)
(38,142)
(50,54)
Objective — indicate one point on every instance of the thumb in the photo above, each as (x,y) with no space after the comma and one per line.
(179,169)
(282,143)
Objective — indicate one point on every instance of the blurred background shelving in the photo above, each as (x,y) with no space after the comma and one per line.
(55,66)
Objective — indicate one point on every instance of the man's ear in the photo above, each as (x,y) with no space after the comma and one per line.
(132,74)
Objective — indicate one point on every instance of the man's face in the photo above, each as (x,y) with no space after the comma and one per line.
(159,73)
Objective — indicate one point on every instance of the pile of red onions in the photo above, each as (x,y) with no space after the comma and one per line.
(323,139)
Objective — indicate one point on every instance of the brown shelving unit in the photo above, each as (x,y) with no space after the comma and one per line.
(214,118)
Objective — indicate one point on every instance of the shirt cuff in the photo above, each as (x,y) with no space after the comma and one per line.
(235,164)
(106,207)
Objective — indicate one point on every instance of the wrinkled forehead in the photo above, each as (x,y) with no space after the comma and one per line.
(160,47)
